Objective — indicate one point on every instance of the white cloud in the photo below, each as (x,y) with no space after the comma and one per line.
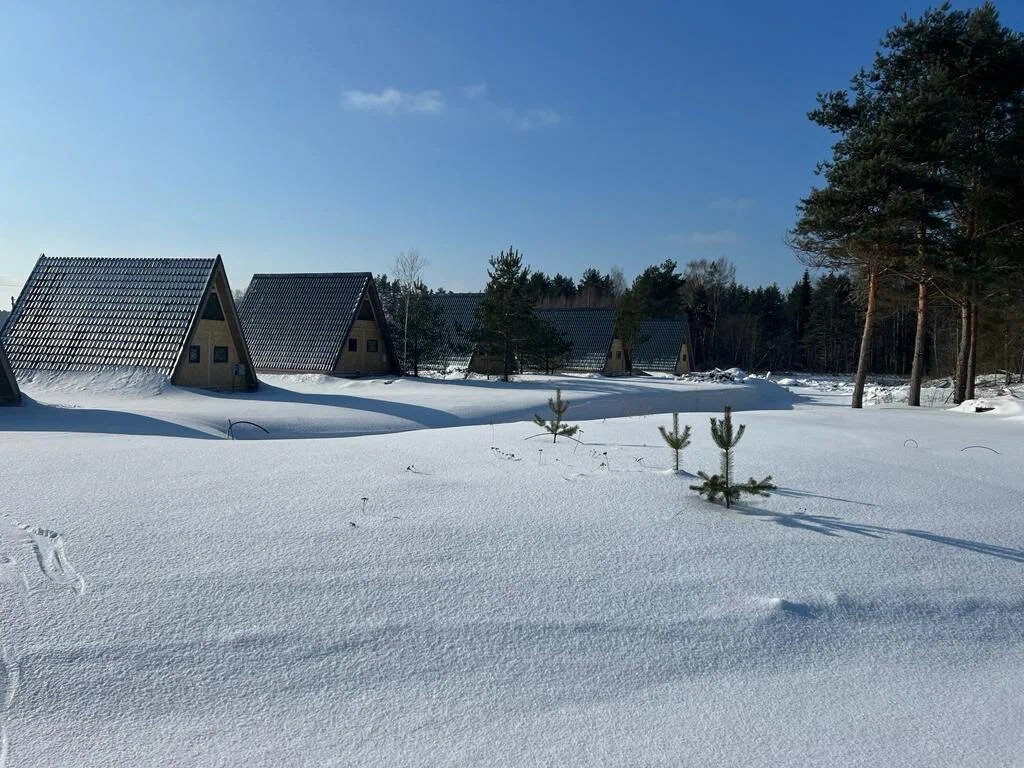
(391,101)
(735,204)
(716,237)
(475,91)
(532,119)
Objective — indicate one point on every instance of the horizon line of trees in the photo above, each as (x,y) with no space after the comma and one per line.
(814,326)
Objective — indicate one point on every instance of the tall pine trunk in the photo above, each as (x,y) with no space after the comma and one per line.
(864,361)
(972,357)
(963,352)
(917,369)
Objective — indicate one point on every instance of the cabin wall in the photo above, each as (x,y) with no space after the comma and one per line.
(208,335)
(683,366)
(361,360)
(616,363)
(488,365)
(206,373)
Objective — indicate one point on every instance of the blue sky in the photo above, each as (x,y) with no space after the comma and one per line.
(331,136)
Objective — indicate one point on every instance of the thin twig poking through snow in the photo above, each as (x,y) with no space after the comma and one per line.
(233,424)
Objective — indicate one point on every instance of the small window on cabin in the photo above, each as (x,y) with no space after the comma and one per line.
(194,353)
(220,354)
(366,311)
(213,309)
(371,345)
(618,354)
(353,345)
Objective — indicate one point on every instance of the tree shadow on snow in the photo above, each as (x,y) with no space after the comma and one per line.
(806,494)
(833,525)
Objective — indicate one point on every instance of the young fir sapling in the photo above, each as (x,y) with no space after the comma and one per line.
(722,484)
(676,440)
(558,406)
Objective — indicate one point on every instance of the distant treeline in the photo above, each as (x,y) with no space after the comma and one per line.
(812,326)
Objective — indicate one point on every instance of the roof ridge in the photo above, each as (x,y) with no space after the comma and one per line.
(126,258)
(312,274)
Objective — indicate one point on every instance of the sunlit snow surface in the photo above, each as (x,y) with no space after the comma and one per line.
(456,591)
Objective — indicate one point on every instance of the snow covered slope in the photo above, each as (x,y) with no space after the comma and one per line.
(470,596)
(309,405)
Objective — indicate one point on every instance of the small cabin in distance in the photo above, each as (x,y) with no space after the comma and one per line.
(172,316)
(588,332)
(664,346)
(328,322)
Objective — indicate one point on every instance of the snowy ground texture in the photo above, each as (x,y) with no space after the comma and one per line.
(437,589)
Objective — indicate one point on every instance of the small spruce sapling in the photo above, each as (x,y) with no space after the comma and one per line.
(558,406)
(721,485)
(676,440)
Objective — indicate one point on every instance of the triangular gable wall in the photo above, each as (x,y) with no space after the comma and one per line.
(359,361)
(202,368)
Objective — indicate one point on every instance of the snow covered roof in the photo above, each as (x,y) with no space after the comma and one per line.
(78,314)
(458,311)
(9,392)
(661,341)
(299,321)
(589,332)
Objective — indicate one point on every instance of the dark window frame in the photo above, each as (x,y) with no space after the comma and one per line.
(353,344)
(372,345)
(221,355)
(195,353)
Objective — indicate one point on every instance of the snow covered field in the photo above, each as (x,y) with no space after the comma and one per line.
(441,590)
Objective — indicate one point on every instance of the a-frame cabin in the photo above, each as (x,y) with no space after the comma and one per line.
(664,346)
(327,322)
(176,317)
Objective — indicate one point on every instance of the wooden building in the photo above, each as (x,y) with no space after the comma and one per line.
(458,314)
(173,316)
(9,392)
(328,323)
(664,346)
(589,333)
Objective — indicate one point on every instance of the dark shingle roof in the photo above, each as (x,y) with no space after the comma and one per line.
(660,345)
(9,392)
(589,333)
(459,313)
(300,321)
(84,314)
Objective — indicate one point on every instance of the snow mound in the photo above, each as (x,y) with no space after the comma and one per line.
(120,380)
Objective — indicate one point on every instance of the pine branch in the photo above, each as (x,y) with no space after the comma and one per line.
(721,485)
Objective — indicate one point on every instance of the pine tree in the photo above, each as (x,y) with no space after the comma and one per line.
(545,349)
(558,406)
(629,319)
(721,485)
(676,440)
(505,313)
(424,326)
